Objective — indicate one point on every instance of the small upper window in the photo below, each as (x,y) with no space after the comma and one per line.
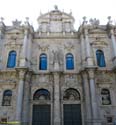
(43,62)
(7,98)
(106,100)
(69,61)
(11,59)
(100,58)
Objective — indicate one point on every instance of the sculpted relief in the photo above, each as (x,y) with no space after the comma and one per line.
(104,78)
(56,56)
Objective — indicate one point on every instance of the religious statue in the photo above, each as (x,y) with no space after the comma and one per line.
(57,56)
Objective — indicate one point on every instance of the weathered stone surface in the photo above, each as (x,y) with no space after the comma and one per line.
(56,37)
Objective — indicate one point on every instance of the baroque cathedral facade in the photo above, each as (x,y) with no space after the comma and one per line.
(57,75)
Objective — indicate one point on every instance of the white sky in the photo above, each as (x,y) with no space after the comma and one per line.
(100,9)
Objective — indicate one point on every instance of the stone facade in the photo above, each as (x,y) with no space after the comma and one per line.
(56,37)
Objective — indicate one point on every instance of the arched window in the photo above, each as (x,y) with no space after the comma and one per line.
(71,94)
(7,98)
(69,61)
(43,62)
(11,59)
(105,94)
(41,94)
(100,58)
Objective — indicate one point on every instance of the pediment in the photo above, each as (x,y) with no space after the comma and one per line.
(56,15)
(14,30)
(97,30)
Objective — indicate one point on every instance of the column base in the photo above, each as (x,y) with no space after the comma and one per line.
(57,123)
(93,122)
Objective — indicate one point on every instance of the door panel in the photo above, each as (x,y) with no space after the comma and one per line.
(41,115)
(72,114)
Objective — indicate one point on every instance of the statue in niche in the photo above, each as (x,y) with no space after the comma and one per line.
(57,56)
(105,97)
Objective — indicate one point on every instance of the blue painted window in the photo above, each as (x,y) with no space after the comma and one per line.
(69,61)
(7,98)
(11,59)
(100,58)
(43,62)
(41,94)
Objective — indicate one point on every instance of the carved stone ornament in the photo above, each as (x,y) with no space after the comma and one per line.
(16,23)
(1,22)
(71,94)
(84,20)
(109,20)
(69,46)
(55,7)
(99,43)
(91,74)
(94,22)
(43,47)
(56,56)
(104,78)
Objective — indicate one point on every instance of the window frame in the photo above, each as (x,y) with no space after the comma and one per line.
(72,61)
(40,63)
(8,99)
(9,59)
(100,53)
(109,94)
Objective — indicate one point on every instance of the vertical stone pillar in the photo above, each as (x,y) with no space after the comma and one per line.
(29,52)
(88,49)
(57,114)
(86,89)
(26,99)
(2,30)
(20,96)
(25,43)
(82,51)
(113,45)
(1,48)
(24,49)
(93,95)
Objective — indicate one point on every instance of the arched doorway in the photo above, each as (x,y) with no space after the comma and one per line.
(41,108)
(71,107)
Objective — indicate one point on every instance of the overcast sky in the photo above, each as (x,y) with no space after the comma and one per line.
(19,9)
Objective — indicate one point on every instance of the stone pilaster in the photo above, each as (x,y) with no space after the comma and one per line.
(26,102)
(29,52)
(86,89)
(19,105)
(113,46)
(93,95)
(2,29)
(23,59)
(57,111)
(88,49)
(82,51)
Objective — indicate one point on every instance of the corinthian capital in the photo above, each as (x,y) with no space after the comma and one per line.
(91,73)
(22,74)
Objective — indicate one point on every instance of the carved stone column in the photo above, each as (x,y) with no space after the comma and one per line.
(20,95)
(93,95)
(29,52)
(24,49)
(113,45)
(2,29)
(26,99)
(86,92)
(57,111)
(82,50)
(88,49)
